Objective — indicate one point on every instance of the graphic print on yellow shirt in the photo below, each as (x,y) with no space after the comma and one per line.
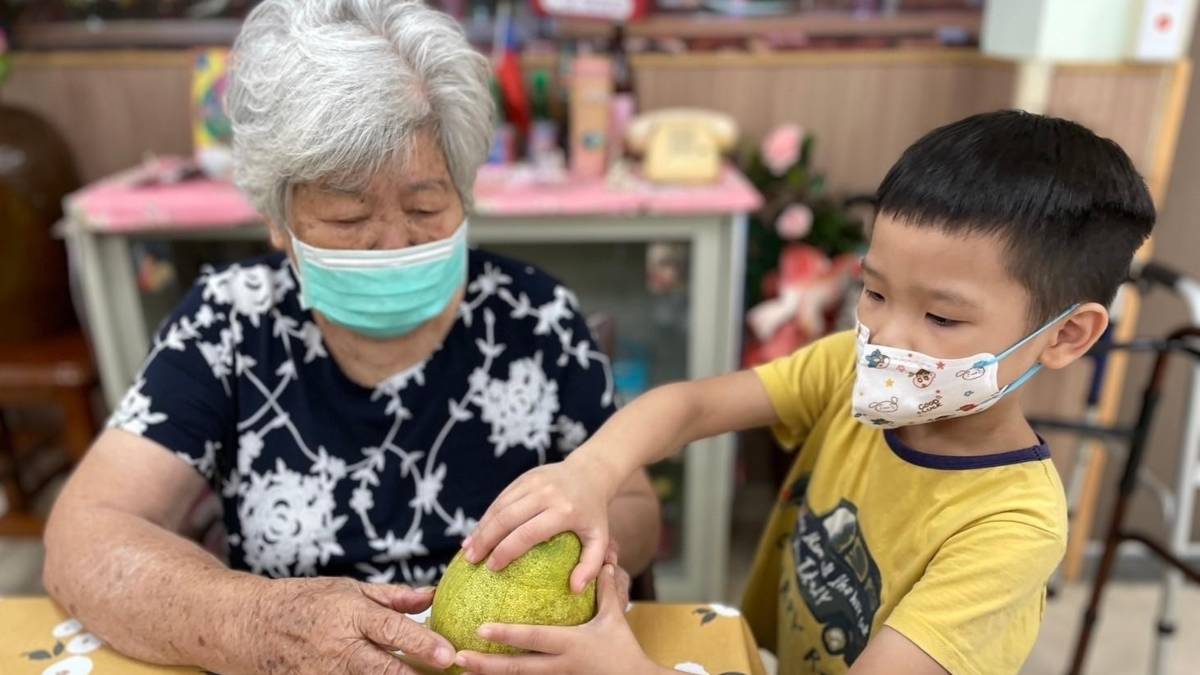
(951,552)
(835,575)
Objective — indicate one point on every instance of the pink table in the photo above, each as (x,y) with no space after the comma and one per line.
(136,201)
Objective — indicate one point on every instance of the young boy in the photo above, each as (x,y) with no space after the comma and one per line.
(922,516)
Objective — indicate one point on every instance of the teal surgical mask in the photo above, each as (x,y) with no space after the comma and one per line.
(382,294)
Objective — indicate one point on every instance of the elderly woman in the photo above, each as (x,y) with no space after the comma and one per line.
(356,399)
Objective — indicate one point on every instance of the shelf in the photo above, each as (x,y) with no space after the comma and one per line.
(174,33)
(126,33)
(812,24)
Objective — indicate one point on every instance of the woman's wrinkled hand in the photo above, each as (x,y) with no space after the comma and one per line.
(329,625)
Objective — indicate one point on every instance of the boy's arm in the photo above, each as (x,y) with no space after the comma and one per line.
(574,494)
(664,420)
(635,522)
(890,653)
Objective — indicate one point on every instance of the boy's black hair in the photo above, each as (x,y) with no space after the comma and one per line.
(1068,205)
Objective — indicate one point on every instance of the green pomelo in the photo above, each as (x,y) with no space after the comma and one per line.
(534,589)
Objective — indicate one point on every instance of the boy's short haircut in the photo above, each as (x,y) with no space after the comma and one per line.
(1068,205)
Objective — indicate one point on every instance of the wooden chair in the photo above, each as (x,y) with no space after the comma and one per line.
(54,373)
(44,359)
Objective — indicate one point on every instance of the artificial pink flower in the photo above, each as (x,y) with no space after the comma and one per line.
(795,222)
(781,148)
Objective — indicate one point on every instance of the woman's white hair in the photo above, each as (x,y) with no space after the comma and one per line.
(331,90)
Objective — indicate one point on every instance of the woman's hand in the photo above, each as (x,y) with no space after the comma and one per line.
(327,625)
(572,495)
(604,645)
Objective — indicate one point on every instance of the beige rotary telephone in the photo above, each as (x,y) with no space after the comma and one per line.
(682,145)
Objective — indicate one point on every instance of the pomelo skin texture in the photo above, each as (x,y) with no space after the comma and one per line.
(534,589)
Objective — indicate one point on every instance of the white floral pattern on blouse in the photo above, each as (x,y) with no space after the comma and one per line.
(320,476)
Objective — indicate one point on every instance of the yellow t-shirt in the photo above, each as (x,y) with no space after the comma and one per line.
(951,552)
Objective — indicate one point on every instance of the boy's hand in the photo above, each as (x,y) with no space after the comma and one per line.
(604,645)
(572,495)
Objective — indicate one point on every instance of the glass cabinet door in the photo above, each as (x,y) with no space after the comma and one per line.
(635,295)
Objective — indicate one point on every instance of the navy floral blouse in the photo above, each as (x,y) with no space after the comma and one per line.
(321,476)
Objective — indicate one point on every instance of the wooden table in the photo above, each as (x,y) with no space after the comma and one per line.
(38,637)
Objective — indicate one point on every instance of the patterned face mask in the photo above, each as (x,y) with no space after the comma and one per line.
(897,388)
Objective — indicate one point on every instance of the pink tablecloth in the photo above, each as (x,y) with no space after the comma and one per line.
(148,198)
(501,191)
(137,201)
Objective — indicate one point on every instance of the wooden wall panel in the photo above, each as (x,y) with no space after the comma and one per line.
(863,111)
(1139,107)
(1121,102)
(112,108)
(115,107)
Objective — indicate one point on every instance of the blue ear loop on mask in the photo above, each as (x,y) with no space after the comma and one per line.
(1035,368)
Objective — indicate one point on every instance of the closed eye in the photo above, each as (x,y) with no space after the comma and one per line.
(941,321)
(873,296)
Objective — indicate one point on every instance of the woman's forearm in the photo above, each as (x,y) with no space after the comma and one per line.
(148,592)
(634,521)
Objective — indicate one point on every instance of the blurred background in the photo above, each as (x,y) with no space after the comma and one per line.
(111,131)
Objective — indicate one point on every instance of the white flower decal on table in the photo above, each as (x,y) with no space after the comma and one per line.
(697,669)
(712,611)
(77,647)
(84,644)
(75,665)
(66,629)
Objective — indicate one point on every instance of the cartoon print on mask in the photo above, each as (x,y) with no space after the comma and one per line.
(922,378)
(889,406)
(973,373)
(932,404)
(876,359)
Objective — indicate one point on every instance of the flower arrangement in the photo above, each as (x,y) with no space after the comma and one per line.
(802,250)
